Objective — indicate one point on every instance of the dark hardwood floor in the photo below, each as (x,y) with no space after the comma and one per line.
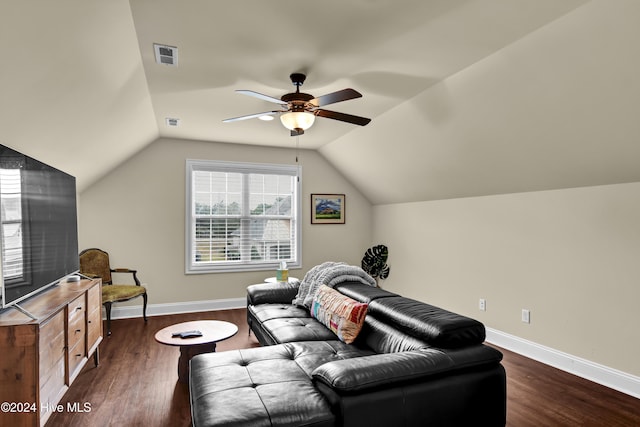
(136,384)
(540,395)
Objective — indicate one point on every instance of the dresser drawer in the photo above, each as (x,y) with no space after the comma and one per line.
(77,355)
(76,331)
(77,308)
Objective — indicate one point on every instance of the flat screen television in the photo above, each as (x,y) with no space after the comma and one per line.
(39,231)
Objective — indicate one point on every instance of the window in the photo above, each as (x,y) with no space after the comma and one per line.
(11,218)
(241,216)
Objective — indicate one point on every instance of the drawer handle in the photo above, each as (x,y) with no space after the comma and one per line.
(79,308)
(78,330)
(79,355)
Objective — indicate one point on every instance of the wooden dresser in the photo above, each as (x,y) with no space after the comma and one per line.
(39,359)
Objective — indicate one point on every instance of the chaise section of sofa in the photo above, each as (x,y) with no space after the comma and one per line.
(267,386)
(335,384)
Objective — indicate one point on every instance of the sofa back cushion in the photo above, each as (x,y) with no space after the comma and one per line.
(361,292)
(341,314)
(382,337)
(434,325)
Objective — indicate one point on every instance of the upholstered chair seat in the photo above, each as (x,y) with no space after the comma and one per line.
(115,293)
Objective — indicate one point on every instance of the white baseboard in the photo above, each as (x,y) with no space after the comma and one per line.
(609,377)
(129,311)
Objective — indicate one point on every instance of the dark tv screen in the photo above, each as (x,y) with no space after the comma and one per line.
(39,235)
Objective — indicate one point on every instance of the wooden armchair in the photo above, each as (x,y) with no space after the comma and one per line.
(94,263)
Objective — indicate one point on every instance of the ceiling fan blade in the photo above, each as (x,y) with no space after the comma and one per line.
(261,96)
(332,98)
(356,120)
(250,116)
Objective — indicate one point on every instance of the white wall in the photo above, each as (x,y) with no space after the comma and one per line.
(137,214)
(572,257)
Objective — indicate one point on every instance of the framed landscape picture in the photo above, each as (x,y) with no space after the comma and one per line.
(327,208)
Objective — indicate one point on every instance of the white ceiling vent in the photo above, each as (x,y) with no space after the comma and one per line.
(172,122)
(167,55)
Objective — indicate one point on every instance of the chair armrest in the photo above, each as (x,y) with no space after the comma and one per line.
(272,293)
(128,270)
(367,372)
(123,270)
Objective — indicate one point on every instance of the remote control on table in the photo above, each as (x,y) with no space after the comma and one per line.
(187,334)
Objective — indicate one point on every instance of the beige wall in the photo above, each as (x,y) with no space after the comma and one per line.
(137,214)
(572,257)
(569,256)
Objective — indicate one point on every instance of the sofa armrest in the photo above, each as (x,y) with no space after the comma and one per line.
(380,370)
(361,373)
(272,293)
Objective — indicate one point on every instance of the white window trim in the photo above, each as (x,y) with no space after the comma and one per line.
(242,167)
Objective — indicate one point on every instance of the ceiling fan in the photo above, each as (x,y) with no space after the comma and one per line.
(299,110)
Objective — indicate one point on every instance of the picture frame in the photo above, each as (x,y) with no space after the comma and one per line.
(328,208)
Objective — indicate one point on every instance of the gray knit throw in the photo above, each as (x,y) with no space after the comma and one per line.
(330,274)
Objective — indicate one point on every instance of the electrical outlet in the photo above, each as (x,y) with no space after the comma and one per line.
(482,305)
(526,316)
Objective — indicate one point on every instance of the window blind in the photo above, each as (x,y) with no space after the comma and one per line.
(241,216)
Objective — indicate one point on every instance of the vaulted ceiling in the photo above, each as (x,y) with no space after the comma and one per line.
(467,98)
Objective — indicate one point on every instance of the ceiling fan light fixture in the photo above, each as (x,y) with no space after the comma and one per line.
(297,120)
(299,110)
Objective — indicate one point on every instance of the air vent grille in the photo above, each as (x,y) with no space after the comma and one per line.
(166,55)
(170,121)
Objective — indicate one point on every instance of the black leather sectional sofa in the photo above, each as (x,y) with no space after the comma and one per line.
(412,364)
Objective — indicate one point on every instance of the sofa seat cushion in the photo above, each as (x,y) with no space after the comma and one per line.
(297,329)
(309,355)
(265,386)
(434,325)
(264,312)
